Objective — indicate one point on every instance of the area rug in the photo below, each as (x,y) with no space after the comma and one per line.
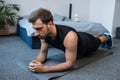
(56,59)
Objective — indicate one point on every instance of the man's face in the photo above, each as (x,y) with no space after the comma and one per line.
(41,29)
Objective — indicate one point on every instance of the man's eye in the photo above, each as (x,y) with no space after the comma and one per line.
(38,29)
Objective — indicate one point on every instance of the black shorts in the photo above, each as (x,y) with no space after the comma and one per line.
(87,43)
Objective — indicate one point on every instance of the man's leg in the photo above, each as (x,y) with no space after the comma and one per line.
(105,39)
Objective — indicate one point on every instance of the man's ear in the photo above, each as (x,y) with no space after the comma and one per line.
(50,23)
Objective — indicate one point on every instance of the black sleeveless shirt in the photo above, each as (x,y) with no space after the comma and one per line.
(62,31)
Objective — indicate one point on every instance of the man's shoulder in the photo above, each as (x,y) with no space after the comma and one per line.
(60,25)
(65,27)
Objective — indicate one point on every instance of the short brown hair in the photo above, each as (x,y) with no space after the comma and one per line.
(41,13)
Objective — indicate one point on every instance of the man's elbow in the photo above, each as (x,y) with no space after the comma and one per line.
(70,65)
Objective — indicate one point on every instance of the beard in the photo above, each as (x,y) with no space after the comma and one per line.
(41,37)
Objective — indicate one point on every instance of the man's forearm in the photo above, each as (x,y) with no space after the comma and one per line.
(41,57)
(43,52)
(59,67)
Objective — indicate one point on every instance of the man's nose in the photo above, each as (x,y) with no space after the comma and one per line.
(36,33)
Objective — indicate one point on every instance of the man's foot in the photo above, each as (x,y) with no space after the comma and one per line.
(109,43)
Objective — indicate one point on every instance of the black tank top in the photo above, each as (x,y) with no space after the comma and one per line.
(62,31)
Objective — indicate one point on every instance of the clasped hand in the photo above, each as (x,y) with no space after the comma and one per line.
(36,66)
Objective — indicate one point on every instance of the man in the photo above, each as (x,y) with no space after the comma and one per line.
(65,38)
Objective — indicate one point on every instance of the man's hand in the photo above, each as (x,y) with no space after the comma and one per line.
(36,66)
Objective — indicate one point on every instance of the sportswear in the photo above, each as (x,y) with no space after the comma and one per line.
(86,42)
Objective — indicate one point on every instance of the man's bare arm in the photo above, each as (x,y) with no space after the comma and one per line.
(70,43)
(43,52)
